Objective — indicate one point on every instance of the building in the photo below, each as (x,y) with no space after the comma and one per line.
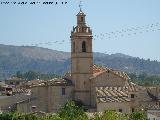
(19,101)
(13,97)
(81,60)
(15,81)
(98,88)
(52,94)
(153,114)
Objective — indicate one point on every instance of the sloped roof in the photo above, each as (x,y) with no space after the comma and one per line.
(157,113)
(150,106)
(59,81)
(18,90)
(81,13)
(116,94)
(112,94)
(132,87)
(2,84)
(153,107)
(52,82)
(98,70)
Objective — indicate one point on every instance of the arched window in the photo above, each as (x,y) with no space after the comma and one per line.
(83,46)
(74,47)
(81,19)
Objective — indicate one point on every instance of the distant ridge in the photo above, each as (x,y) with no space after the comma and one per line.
(25,58)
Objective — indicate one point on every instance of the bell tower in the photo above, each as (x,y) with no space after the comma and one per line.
(81,59)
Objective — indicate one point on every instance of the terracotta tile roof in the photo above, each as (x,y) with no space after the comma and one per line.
(52,82)
(59,81)
(2,84)
(153,107)
(112,94)
(97,70)
(116,94)
(26,91)
(132,87)
(150,106)
(34,82)
(155,113)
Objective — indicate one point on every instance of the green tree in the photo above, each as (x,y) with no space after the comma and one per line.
(142,76)
(17,116)
(110,115)
(51,117)
(19,74)
(6,116)
(137,116)
(72,112)
(31,75)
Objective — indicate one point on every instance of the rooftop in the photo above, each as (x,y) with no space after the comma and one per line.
(52,82)
(116,94)
(97,70)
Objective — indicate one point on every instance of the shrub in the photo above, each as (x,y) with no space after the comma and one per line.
(137,116)
(72,112)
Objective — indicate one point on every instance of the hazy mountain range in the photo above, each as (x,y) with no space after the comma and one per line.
(25,58)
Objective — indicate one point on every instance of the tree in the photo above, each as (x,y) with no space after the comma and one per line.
(50,117)
(110,115)
(31,75)
(16,116)
(72,112)
(137,116)
(19,74)
(6,116)
(142,76)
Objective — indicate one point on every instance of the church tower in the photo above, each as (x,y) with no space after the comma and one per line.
(81,59)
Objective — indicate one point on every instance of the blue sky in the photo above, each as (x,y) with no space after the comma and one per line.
(122,26)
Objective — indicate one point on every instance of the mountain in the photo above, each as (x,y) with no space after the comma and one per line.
(25,58)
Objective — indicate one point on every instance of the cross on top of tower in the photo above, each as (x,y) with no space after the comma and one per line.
(80,5)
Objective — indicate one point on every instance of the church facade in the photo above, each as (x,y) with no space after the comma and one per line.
(98,88)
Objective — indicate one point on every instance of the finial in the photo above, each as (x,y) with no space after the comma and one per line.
(80,5)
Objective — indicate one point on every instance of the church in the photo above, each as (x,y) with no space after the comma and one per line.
(98,88)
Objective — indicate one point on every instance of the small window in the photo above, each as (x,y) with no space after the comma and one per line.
(83,46)
(81,19)
(74,47)
(120,110)
(132,95)
(132,110)
(63,91)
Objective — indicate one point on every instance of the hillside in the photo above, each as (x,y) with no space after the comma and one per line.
(25,58)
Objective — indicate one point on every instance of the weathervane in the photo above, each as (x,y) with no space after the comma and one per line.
(80,5)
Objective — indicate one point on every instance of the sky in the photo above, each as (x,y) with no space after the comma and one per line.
(130,27)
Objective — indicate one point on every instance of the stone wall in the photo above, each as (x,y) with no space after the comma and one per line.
(105,79)
(50,98)
(124,106)
(7,102)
